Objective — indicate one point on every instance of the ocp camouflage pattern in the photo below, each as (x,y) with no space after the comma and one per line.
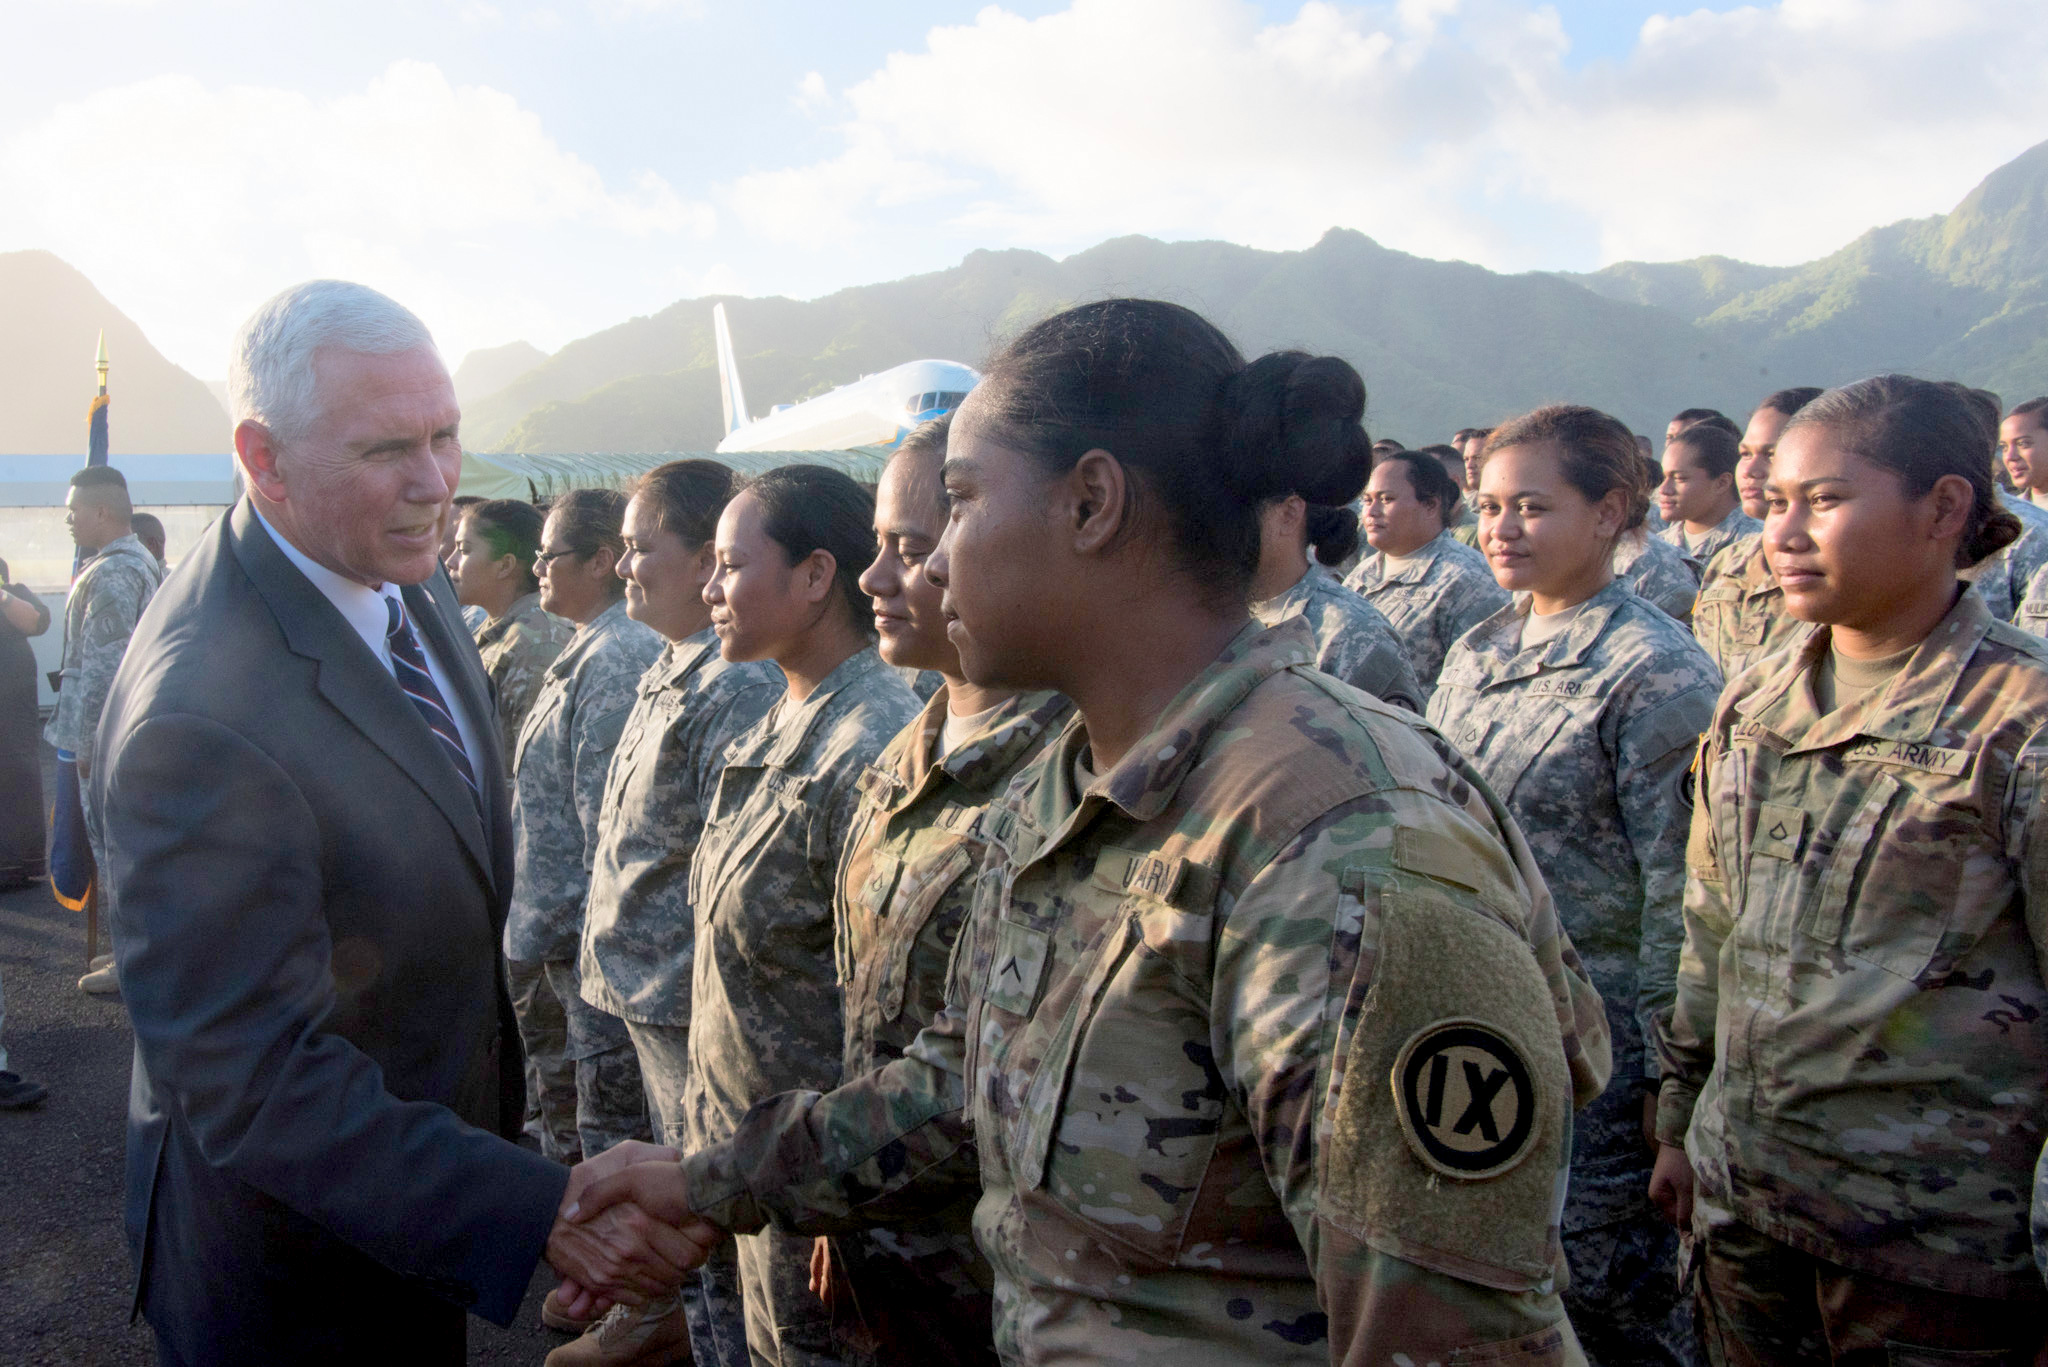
(1740,617)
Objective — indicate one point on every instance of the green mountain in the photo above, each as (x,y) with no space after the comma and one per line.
(483,373)
(50,321)
(1962,295)
(1441,344)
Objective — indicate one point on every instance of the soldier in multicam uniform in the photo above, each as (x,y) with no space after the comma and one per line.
(1431,588)
(1696,494)
(1263,1040)
(492,566)
(639,931)
(918,1290)
(1353,641)
(765,1007)
(1581,705)
(1854,1065)
(558,774)
(1740,616)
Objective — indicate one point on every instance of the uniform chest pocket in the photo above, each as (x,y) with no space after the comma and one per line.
(1126,1108)
(884,971)
(1513,746)
(1901,868)
(754,805)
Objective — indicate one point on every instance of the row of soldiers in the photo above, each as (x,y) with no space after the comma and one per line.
(761,796)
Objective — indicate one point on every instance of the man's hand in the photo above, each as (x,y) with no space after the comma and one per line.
(1671,1185)
(615,1159)
(623,1254)
(653,1192)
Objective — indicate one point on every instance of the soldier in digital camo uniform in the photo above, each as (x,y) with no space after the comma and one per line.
(764,997)
(918,1290)
(1582,705)
(1656,573)
(1855,1065)
(1263,1041)
(1353,641)
(638,930)
(1431,588)
(558,775)
(492,566)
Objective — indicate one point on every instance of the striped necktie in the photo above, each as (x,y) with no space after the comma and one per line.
(409,665)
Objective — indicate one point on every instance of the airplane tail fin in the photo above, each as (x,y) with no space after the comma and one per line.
(730,395)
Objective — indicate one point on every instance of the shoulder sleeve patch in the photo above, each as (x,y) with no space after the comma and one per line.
(1463,1172)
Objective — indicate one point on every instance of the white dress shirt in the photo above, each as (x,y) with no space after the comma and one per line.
(363,608)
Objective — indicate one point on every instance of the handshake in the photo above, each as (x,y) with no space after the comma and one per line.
(625,1232)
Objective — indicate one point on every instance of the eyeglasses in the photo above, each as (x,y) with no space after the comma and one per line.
(543,559)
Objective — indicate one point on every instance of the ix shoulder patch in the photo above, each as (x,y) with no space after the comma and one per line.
(1466,1098)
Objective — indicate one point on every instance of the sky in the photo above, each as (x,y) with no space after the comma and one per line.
(542,170)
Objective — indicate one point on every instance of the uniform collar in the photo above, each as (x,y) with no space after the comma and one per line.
(1291,603)
(794,730)
(1497,644)
(1908,709)
(1419,563)
(587,639)
(680,659)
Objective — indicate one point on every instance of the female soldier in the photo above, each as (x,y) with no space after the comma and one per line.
(764,1010)
(1431,587)
(1696,493)
(918,1291)
(1740,616)
(1581,705)
(492,565)
(1650,566)
(1230,903)
(1855,1064)
(1353,641)
(639,930)
(557,776)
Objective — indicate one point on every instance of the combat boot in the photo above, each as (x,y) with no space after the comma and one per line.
(653,1335)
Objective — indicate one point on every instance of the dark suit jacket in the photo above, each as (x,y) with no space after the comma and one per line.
(308,908)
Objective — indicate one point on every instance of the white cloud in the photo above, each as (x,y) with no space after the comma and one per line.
(1453,128)
(189,205)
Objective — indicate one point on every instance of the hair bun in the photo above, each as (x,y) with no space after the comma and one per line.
(1293,425)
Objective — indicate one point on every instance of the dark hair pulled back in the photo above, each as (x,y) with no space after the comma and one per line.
(512,528)
(1206,436)
(1600,453)
(1921,431)
(1790,401)
(1429,479)
(686,497)
(806,508)
(1716,448)
(589,521)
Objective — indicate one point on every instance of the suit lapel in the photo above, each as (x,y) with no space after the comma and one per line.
(357,684)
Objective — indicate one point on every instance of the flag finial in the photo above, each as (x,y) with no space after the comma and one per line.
(100,362)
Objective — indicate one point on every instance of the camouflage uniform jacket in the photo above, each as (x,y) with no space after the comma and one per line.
(639,930)
(1587,739)
(764,1009)
(1657,573)
(2004,579)
(1443,592)
(1174,1022)
(2033,613)
(107,599)
(1741,618)
(1856,1062)
(558,774)
(1354,642)
(1725,533)
(517,649)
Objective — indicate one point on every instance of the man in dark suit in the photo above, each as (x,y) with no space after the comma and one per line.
(309,858)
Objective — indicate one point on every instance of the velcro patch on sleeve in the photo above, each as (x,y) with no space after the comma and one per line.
(1458,1167)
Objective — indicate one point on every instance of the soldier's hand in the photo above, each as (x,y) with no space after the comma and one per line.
(615,1159)
(821,1270)
(657,1188)
(1671,1185)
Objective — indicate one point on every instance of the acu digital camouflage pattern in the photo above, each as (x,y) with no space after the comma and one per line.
(639,931)
(919,1290)
(1152,1025)
(1657,573)
(107,599)
(2033,613)
(1354,642)
(558,774)
(1740,617)
(2002,580)
(765,1009)
(1724,534)
(1856,1061)
(1587,738)
(1443,591)
(516,650)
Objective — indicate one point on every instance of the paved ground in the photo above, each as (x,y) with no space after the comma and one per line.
(64,1276)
